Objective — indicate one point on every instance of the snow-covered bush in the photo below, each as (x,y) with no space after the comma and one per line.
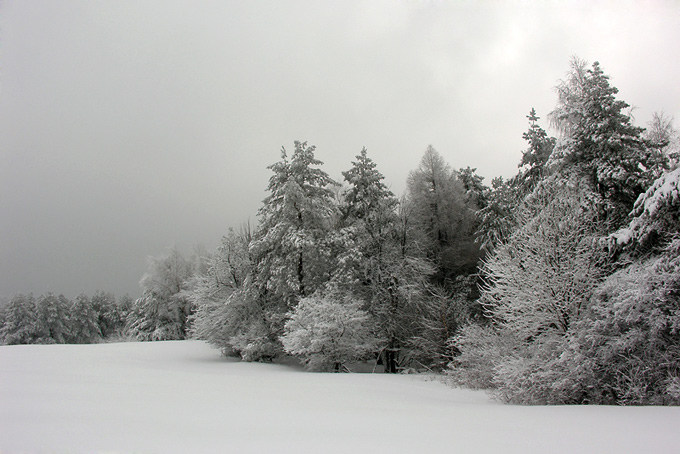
(631,337)
(538,285)
(481,349)
(327,331)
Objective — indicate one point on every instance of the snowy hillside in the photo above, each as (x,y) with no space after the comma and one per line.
(181,397)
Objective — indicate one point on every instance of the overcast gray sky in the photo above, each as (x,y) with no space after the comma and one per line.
(127,126)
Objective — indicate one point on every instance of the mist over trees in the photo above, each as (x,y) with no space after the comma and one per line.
(556,286)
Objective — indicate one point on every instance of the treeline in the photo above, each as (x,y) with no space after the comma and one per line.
(559,285)
(54,319)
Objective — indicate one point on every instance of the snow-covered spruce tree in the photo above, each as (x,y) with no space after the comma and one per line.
(497,218)
(53,321)
(533,166)
(111,315)
(20,321)
(291,248)
(84,321)
(599,143)
(328,331)
(290,244)
(538,285)
(655,217)
(162,312)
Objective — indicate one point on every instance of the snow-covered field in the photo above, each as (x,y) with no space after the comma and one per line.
(182,397)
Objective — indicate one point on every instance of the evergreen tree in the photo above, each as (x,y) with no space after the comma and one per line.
(84,321)
(20,321)
(535,158)
(291,246)
(53,321)
(600,144)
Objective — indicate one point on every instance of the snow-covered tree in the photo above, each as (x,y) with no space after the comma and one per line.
(111,315)
(533,166)
(629,345)
(20,321)
(229,315)
(53,321)
(84,321)
(291,247)
(162,312)
(326,332)
(541,278)
(599,142)
(655,216)
(664,137)
(538,287)
(497,219)
(442,221)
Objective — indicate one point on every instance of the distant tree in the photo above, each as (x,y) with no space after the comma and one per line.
(664,137)
(84,321)
(111,315)
(497,219)
(20,321)
(443,223)
(53,321)
(162,312)
(327,333)
(533,166)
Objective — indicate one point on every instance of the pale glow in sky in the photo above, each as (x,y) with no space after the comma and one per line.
(128,126)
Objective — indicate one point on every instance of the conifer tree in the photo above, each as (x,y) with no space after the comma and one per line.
(599,142)
(84,321)
(291,245)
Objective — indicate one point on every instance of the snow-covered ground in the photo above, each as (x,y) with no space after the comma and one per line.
(182,397)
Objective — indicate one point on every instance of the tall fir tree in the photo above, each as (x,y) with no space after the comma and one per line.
(599,142)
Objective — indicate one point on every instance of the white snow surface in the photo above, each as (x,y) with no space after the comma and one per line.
(183,397)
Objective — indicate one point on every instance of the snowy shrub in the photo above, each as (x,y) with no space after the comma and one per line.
(437,318)
(632,334)
(481,349)
(328,331)
(255,343)
(546,371)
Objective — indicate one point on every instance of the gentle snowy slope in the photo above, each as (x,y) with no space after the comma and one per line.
(181,397)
